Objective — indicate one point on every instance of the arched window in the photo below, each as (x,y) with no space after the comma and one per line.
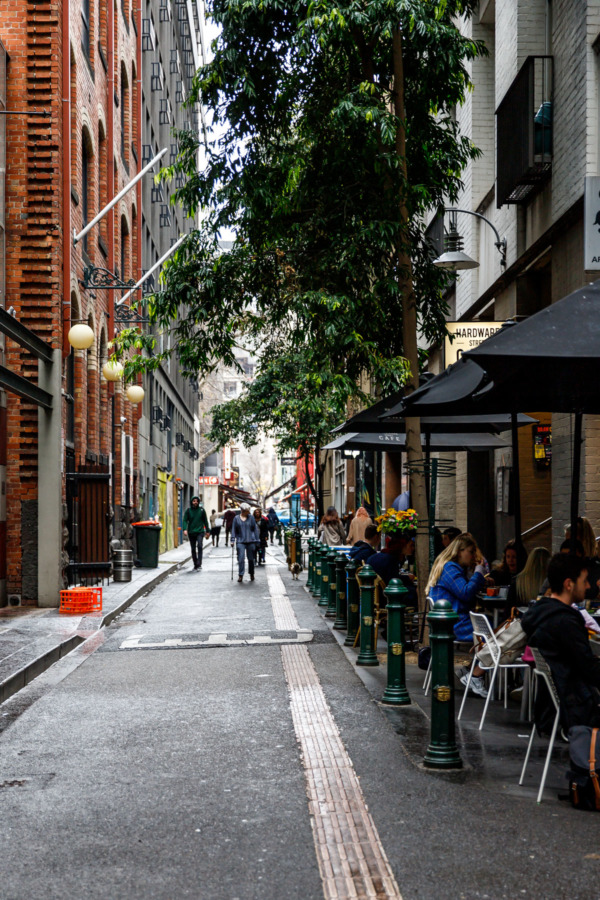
(124,115)
(125,254)
(85,27)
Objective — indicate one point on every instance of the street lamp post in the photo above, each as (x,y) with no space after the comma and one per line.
(453,257)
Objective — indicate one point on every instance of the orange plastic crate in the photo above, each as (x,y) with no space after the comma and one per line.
(80,600)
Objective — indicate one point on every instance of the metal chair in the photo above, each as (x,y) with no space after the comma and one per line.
(542,670)
(482,629)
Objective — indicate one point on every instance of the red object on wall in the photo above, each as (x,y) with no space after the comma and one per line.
(307,499)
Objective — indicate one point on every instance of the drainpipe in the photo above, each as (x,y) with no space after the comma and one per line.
(138,114)
(66,186)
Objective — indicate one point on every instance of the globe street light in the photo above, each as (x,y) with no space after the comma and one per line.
(80,336)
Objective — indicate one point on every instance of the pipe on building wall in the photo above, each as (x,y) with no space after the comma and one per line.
(138,114)
(66,186)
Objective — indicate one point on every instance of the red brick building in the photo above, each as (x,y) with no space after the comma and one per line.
(78,64)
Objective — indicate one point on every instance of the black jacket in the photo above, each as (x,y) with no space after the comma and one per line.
(559,632)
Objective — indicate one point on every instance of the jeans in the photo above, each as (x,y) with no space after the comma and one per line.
(244,550)
(196,545)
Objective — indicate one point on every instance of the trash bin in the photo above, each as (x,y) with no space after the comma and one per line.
(147,539)
(122,565)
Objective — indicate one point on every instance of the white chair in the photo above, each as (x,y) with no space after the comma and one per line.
(483,629)
(542,670)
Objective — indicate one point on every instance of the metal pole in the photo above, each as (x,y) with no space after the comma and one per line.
(367,655)
(353,610)
(442,752)
(330,612)
(516,476)
(340,592)
(576,477)
(115,200)
(150,271)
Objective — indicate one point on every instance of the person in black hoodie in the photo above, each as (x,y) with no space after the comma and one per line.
(558,630)
(362,550)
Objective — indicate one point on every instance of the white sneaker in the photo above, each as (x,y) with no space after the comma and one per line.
(477,685)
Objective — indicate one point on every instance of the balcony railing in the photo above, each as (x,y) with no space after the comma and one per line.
(524,132)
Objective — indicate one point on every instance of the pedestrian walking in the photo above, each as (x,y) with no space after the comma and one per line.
(195,526)
(228,517)
(263,531)
(331,530)
(356,532)
(215,527)
(245,534)
(273,520)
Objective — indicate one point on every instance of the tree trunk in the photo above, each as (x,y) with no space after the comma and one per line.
(414,450)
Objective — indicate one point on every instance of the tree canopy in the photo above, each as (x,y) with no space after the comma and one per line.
(337,140)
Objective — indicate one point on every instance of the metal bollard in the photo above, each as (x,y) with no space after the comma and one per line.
(395,693)
(331,600)
(316,589)
(310,567)
(442,752)
(297,540)
(352,606)
(367,655)
(279,535)
(324,576)
(340,593)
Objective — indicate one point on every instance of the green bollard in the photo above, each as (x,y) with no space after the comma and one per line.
(442,752)
(340,623)
(324,576)
(353,607)
(395,693)
(367,655)
(331,600)
(310,572)
(316,590)
(279,535)
(297,538)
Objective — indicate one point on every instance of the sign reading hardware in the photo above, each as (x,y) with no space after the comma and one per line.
(466,336)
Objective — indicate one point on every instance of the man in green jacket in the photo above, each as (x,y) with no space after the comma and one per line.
(195,526)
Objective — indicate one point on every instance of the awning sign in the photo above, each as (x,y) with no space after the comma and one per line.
(591,219)
(465,336)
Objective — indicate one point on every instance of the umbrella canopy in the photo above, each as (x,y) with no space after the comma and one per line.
(549,361)
(436,442)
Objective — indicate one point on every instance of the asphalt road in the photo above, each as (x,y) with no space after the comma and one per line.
(137,768)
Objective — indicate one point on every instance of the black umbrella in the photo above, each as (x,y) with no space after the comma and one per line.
(548,362)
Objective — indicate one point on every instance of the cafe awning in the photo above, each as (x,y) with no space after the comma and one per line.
(394,442)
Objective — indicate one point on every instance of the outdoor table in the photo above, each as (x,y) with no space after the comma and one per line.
(492,604)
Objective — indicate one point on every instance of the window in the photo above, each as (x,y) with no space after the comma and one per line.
(85,187)
(85,30)
(124,115)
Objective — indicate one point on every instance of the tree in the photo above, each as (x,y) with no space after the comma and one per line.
(338,140)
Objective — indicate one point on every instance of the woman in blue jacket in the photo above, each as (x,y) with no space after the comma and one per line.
(450,579)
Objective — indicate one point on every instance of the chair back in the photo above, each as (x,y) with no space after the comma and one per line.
(542,670)
(483,630)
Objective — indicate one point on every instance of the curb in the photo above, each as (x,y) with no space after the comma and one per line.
(20,679)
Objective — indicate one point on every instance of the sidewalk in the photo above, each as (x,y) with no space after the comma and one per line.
(32,639)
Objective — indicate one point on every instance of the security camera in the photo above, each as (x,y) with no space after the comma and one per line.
(123,419)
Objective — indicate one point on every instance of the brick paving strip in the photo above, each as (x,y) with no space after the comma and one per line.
(351,858)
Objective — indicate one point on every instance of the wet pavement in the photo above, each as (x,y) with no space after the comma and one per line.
(172,754)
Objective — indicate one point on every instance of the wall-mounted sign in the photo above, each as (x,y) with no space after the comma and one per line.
(591,224)
(465,336)
(208,479)
(542,445)
(288,460)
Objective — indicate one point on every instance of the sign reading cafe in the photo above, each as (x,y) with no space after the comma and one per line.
(464,336)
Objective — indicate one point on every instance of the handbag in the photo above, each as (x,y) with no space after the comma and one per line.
(511,639)
(584,785)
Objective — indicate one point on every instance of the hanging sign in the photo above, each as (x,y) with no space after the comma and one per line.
(591,226)
(542,445)
(466,336)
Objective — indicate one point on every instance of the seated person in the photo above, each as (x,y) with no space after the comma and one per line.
(448,535)
(388,562)
(559,632)
(513,562)
(450,580)
(363,550)
(529,583)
